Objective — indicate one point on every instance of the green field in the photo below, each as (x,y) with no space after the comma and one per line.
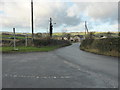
(72,33)
(9,37)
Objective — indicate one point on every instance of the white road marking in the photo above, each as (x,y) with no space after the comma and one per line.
(35,76)
(72,65)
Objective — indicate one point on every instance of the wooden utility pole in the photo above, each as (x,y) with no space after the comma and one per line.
(26,40)
(14,38)
(51,27)
(86,29)
(32,19)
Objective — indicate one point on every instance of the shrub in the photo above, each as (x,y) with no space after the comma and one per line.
(49,42)
(103,45)
(86,43)
(90,35)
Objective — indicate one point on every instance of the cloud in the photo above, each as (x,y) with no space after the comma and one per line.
(77,28)
(106,27)
(73,11)
(97,28)
(103,11)
(18,13)
(95,0)
(100,11)
(58,12)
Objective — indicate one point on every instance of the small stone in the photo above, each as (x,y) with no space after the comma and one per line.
(37,77)
(14,75)
(54,77)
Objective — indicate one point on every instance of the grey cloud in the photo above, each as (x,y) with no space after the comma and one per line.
(103,11)
(59,16)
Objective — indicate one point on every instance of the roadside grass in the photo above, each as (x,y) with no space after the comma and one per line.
(106,46)
(28,49)
(31,48)
(42,45)
(96,51)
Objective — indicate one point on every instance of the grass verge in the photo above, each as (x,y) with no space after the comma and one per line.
(29,49)
(96,51)
(106,46)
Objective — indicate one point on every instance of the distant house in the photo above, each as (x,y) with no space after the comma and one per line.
(65,38)
(80,37)
(77,38)
(106,37)
(103,36)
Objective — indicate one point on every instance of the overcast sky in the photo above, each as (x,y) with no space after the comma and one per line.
(68,15)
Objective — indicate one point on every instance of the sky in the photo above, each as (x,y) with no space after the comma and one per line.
(69,15)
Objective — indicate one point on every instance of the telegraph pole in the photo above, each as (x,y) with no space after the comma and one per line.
(32,19)
(51,27)
(26,40)
(14,38)
(86,29)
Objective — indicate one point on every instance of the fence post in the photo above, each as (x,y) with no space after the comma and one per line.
(26,41)
(14,38)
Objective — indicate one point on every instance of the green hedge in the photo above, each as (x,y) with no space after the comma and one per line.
(43,42)
(103,45)
(107,44)
(87,43)
(37,42)
(50,42)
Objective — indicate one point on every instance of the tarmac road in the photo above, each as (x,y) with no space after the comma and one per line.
(67,67)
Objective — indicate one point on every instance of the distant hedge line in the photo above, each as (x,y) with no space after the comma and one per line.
(102,46)
(37,42)
(50,42)
(43,42)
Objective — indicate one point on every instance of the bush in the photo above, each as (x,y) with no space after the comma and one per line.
(49,42)
(41,42)
(103,45)
(90,35)
(86,43)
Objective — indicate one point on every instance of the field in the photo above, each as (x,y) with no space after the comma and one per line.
(10,37)
(43,44)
